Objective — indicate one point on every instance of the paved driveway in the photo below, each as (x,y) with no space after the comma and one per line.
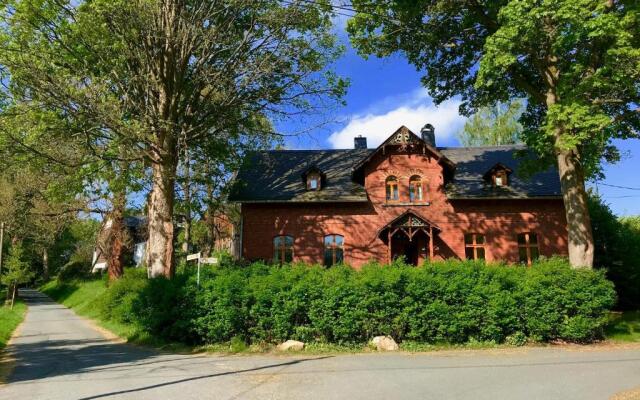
(61,356)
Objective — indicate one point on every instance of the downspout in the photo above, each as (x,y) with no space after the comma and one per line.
(241,235)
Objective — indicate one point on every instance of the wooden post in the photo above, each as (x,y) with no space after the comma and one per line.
(430,243)
(1,242)
(389,246)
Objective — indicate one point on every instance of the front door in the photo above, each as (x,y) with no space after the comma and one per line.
(414,251)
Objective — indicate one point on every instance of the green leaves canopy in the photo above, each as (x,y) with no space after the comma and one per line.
(586,53)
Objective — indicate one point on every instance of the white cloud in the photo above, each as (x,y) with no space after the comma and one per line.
(413,111)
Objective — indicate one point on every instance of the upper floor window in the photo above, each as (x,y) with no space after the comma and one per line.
(283,249)
(498,175)
(474,246)
(314,181)
(528,250)
(500,178)
(392,188)
(333,250)
(415,188)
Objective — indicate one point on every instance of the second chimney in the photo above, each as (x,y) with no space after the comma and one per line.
(360,142)
(428,135)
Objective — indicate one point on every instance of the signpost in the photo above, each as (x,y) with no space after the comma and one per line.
(198,256)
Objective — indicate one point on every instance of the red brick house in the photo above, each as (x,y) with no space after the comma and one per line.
(405,198)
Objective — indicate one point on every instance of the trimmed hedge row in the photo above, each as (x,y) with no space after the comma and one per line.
(451,301)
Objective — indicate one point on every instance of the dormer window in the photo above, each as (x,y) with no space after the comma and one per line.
(500,179)
(314,181)
(313,178)
(498,175)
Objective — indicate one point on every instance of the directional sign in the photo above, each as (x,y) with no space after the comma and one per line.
(191,257)
(210,260)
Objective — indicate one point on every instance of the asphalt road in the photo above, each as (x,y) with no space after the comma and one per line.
(61,356)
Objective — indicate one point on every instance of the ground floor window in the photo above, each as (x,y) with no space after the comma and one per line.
(333,250)
(283,249)
(528,250)
(474,246)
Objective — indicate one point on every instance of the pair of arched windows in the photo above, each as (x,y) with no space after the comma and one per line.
(415,188)
(333,249)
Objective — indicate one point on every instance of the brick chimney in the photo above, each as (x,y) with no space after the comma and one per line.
(360,142)
(428,135)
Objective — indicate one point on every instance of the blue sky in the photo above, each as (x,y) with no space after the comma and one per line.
(386,93)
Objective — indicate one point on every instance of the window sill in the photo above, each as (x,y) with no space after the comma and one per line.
(406,203)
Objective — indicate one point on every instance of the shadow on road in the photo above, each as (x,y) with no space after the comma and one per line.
(39,355)
(196,378)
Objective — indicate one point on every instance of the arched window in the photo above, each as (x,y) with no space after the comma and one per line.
(392,188)
(333,250)
(282,249)
(415,188)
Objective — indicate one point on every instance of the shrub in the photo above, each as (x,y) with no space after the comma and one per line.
(74,270)
(452,301)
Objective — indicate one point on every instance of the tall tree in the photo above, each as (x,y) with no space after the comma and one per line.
(153,76)
(576,62)
(493,125)
(17,271)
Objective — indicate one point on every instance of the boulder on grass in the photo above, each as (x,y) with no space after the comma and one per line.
(290,345)
(385,343)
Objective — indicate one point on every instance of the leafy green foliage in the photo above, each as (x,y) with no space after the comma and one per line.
(446,302)
(16,270)
(493,125)
(576,62)
(617,242)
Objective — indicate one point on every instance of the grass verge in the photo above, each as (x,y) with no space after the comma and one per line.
(624,327)
(9,321)
(84,298)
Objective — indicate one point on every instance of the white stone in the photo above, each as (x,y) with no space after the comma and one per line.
(290,345)
(385,343)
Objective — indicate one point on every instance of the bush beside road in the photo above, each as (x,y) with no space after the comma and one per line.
(446,303)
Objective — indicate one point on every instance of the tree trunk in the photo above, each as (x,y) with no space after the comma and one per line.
(159,255)
(13,297)
(45,264)
(574,194)
(210,219)
(581,245)
(115,252)
(186,245)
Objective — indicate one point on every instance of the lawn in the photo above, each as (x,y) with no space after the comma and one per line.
(9,321)
(624,327)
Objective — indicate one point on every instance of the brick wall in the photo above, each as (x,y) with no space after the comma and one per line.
(499,220)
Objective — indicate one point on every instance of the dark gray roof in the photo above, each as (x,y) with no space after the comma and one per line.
(277,175)
(473,162)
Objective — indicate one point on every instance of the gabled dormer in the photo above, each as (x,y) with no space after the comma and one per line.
(498,175)
(314,178)
(405,141)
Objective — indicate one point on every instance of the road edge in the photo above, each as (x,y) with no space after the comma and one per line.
(7,360)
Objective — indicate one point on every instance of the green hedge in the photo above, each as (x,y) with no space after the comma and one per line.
(452,302)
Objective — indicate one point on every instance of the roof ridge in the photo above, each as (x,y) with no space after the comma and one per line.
(499,146)
(305,150)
